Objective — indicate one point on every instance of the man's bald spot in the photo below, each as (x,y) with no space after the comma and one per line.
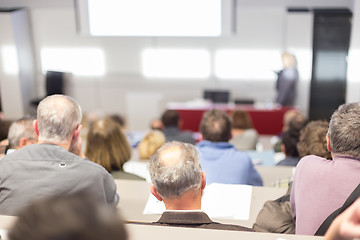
(58,102)
(170,156)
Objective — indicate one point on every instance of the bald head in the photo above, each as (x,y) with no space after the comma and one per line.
(57,117)
(175,169)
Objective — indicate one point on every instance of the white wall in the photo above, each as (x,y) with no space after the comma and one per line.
(56,28)
(11,97)
(353,73)
(260,25)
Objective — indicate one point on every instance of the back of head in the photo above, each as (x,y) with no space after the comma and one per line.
(313,140)
(175,169)
(107,145)
(344,131)
(58,116)
(288,116)
(150,143)
(288,60)
(297,123)
(290,139)
(291,136)
(215,126)
(22,128)
(241,120)
(74,217)
(170,118)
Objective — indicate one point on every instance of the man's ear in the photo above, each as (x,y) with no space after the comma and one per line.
(155,193)
(77,132)
(35,126)
(203,180)
(23,142)
(328,143)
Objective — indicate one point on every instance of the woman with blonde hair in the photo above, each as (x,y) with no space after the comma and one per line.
(146,148)
(287,79)
(107,145)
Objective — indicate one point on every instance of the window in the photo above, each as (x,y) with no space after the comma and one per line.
(79,61)
(176,63)
(154,17)
(10,60)
(247,64)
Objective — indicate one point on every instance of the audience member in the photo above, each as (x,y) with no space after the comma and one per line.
(321,186)
(48,168)
(150,143)
(289,140)
(347,225)
(172,124)
(21,134)
(179,181)
(276,215)
(313,140)
(290,114)
(146,148)
(222,162)
(244,136)
(108,146)
(73,217)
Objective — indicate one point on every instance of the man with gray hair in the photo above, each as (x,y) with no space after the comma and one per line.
(21,133)
(320,185)
(49,168)
(179,181)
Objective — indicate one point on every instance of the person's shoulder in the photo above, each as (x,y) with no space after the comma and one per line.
(251,132)
(87,163)
(312,159)
(311,162)
(239,154)
(20,153)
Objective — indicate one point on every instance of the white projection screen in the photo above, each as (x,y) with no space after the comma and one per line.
(168,18)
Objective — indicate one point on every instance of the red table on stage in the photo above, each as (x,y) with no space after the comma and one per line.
(267,121)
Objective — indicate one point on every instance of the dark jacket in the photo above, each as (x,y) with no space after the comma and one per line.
(195,219)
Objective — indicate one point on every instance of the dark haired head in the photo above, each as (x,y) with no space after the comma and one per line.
(290,140)
(215,126)
(241,120)
(170,118)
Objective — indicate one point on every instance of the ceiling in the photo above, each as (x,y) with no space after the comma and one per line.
(240,3)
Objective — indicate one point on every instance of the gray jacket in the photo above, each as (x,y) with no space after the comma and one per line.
(41,170)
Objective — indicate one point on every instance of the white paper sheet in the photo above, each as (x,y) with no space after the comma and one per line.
(219,201)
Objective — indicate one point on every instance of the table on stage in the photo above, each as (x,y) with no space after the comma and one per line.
(134,195)
(267,121)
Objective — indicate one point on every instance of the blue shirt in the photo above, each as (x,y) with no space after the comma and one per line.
(223,163)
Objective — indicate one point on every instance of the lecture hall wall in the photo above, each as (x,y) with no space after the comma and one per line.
(122,87)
